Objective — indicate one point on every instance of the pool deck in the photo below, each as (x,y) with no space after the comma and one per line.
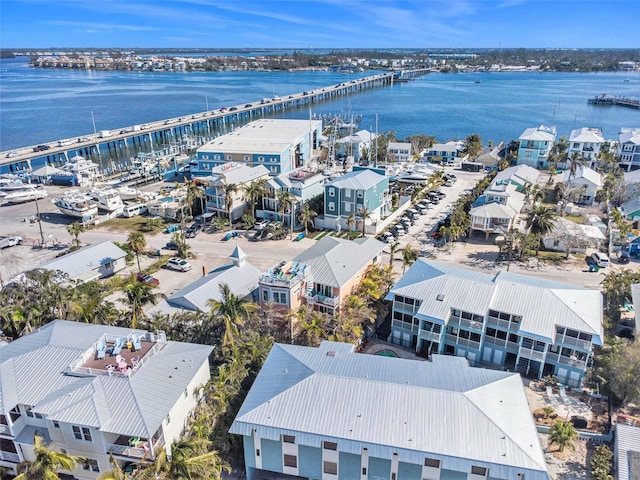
(374,346)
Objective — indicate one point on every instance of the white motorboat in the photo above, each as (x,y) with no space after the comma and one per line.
(75,204)
(144,164)
(77,171)
(26,194)
(130,193)
(415,177)
(9,182)
(107,199)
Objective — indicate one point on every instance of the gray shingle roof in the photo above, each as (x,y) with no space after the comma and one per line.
(32,373)
(443,409)
(543,304)
(334,261)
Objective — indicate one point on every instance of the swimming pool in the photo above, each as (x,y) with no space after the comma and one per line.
(387,353)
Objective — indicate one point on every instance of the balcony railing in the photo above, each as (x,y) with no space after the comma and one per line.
(9,456)
(281,280)
(513,346)
(430,336)
(572,362)
(451,340)
(321,299)
(532,354)
(503,323)
(565,340)
(465,323)
(4,429)
(142,449)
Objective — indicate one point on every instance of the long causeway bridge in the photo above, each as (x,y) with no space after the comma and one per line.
(149,136)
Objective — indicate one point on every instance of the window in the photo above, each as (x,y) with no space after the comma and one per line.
(265,295)
(393,476)
(56,424)
(257,452)
(431,462)
(168,419)
(29,412)
(81,433)
(229,157)
(364,470)
(360,193)
(273,160)
(280,297)
(291,461)
(261,158)
(90,464)
(330,468)
(288,439)
(186,393)
(330,445)
(332,192)
(332,206)
(482,471)
(246,158)
(215,157)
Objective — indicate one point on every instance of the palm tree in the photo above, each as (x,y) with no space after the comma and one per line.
(194,192)
(237,308)
(137,296)
(563,434)
(351,222)
(409,255)
(364,214)
(229,190)
(392,250)
(137,244)
(116,473)
(254,192)
(306,217)
(540,221)
(46,464)
(191,459)
(285,199)
(473,145)
(575,162)
(75,229)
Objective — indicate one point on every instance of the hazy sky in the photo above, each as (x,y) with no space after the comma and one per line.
(319,24)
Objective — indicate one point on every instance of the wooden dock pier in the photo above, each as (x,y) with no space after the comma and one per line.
(606,99)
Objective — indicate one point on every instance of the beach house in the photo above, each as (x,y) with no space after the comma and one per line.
(586,143)
(629,147)
(535,146)
(586,179)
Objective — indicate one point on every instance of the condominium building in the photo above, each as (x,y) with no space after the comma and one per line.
(96,391)
(329,413)
(629,147)
(277,144)
(533,326)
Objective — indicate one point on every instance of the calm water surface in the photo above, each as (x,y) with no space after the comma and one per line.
(41,105)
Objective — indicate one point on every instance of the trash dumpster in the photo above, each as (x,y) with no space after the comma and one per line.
(300,236)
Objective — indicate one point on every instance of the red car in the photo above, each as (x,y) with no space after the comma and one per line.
(142,277)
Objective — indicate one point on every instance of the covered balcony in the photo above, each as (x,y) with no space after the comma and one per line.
(135,447)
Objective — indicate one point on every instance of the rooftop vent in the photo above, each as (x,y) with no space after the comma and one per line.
(331,353)
(440,297)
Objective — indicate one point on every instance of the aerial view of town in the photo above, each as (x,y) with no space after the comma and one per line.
(319,240)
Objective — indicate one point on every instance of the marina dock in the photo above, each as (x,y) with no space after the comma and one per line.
(151,136)
(606,99)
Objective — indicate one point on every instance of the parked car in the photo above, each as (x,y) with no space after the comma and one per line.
(600,259)
(171,246)
(179,264)
(261,224)
(387,237)
(398,230)
(10,242)
(422,209)
(144,278)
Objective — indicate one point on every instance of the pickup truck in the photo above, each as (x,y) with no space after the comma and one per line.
(10,242)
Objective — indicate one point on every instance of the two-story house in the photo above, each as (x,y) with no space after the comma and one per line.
(332,414)
(399,151)
(234,173)
(446,153)
(629,147)
(323,276)
(97,391)
(280,145)
(535,146)
(530,325)
(361,191)
(497,209)
(588,180)
(586,142)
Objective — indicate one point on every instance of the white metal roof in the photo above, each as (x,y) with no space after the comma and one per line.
(237,173)
(242,280)
(89,258)
(493,210)
(32,373)
(543,304)
(334,261)
(539,133)
(627,452)
(583,174)
(519,173)
(357,180)
(586,135)
(442,409)
(266,135)
(629,135)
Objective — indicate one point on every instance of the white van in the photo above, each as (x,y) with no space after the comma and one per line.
(600,259)
(134,209)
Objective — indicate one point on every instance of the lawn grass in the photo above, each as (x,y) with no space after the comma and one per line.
(575,218)
(134,224)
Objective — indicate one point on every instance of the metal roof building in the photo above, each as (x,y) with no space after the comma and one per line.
(627,451)
(54,380)
(390,417)
(550,325)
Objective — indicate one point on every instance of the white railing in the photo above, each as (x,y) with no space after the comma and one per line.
(9,456)
(430,336)
(584,344)
(531,354)
(573,362)
(5,429)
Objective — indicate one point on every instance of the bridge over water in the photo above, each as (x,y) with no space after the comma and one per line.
(119,143)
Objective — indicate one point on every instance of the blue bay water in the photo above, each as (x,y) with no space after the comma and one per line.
(41,105)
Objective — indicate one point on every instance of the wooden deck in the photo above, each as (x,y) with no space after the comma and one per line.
(127,354)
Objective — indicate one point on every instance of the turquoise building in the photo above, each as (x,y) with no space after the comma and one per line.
(279,145)
(533,326)
(329,413)
(535,146)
